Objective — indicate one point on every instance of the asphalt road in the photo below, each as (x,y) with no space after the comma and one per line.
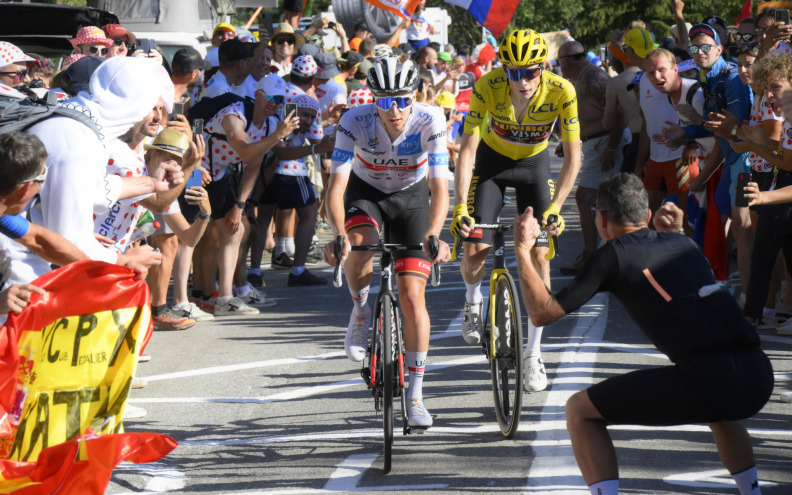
(270,404)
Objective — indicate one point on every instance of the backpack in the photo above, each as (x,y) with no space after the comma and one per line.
(207,108)
(714,101)
(20,114)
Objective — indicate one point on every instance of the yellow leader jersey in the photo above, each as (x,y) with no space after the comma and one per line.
(555,97)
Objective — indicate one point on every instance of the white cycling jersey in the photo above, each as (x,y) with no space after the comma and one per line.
(364,147)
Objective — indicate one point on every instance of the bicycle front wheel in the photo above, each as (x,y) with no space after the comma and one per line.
(386,329)
(506,358)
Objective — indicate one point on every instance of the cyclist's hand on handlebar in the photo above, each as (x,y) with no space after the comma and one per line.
(458,226)
(443,252)
(526,230)
(329,252)
(554,228)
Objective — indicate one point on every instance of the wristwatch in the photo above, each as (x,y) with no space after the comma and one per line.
(204,217)
(240,204)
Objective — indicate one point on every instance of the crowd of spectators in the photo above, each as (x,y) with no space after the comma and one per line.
(261,162)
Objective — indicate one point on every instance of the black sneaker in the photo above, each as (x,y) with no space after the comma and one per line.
(315,255)
(281,261)
(305,279)
(255,280)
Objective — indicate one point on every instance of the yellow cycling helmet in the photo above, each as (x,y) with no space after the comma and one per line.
(522,47)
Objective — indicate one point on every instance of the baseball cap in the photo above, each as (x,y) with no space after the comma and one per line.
(616,52)
(640,40)
(233,50)
(704,29)
(117,31)
(363,68)
(223,26)
(350,59)
(90,34)
(171,141)
(636,80)
(712,20)
(444,56)
(80,73)
(308,49)
(272,85)
(304,66)
(11,54)
(188,59)
(327,64)
(446,99)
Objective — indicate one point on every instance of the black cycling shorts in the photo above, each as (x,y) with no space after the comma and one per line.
(724,386)
(493,173)
(403,216)
(223,194)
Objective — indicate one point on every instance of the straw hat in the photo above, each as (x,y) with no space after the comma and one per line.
(170,141)
(285,29)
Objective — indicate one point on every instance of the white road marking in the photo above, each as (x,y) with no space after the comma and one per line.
(554,464)
(163,478)
(708,479)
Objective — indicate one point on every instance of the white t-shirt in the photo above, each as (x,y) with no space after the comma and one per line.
(216,86)
(418,29)
(222,152)
(330,93)
(297,166)
(657,110)
(761,111)
(247,89)
(364,147)
(284,68)
(213,56)
(119,221)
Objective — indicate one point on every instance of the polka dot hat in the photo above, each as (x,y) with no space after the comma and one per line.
(11,54)
(360,96)
(305,101)
(90,35)
(304,66)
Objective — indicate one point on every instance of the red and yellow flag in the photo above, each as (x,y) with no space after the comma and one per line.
(402,8)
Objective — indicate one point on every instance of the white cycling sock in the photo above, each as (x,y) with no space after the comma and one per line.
(473,294)
(222,300)
(290,246)
(747,481)
(280,246)
(359,299)
(242,291)
(416,361)
(534,339)
(607,487)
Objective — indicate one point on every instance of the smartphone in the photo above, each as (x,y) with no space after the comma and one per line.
(603,52)
(331,25)
(289,108)
(742,180)
(178,109)
(195,179)
(781,16)
(197,128)
(145,44)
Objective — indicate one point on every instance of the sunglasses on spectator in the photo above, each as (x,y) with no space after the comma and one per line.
(283,41)
(744,37)
(118,41)
(576,56)
(43,63)
(39,178)
(762,30)
(694,49)
(99,51)
(278,99)
(16,76)
(518,74)
(595,210)
(387,102)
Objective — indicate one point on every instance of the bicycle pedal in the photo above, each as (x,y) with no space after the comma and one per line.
(418,430)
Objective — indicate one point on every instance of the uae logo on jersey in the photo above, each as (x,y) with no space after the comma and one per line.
(529,134)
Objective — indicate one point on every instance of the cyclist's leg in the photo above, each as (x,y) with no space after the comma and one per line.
(534,187)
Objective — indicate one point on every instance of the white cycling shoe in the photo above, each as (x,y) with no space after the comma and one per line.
(357,336)
(534,373)
(417,415)
(471,323)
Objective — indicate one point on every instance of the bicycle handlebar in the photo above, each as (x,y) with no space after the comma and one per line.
(550,220)
(338,249)
(434,248)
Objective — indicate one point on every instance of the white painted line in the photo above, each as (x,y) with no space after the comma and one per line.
(347,475)
(718,478)
(554,464)
(163,478)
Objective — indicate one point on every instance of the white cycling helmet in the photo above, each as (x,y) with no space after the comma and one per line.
(382,50)
(389,77)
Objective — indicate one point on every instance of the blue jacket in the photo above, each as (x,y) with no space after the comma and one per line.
(725,91)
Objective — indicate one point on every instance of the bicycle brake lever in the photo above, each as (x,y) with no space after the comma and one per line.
(458,241)
(550,220)
(338,250)
(434,248)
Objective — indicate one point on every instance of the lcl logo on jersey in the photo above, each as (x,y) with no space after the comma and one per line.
(497,82)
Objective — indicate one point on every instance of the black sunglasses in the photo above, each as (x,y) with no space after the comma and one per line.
(576,56)
(283,41)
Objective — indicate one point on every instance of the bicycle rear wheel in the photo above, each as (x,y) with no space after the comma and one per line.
(506,365)
(385,327)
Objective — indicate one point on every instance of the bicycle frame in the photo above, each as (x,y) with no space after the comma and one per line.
(499,267)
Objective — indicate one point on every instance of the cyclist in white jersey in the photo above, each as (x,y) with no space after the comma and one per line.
(388,156)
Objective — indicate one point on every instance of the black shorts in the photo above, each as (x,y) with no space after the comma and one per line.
(289,191)
(530,177)
(727,386)
(294,5)
(403,216)
(223,194)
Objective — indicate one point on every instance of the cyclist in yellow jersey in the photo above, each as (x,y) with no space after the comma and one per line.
(521,102)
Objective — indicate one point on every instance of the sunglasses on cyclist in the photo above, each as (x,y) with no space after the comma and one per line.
(283,41)
(277,99)
(98,51)
(706,48)
(387,102)
(517,74)
(16,76)
(744,37)
(39,178)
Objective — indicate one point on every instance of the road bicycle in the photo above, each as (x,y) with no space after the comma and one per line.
(502,337)
(383,367)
